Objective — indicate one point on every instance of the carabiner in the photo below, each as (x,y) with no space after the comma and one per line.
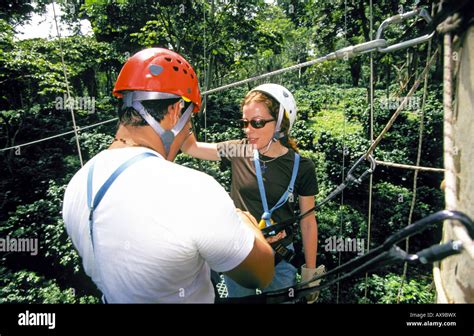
(350,179)
(423,13)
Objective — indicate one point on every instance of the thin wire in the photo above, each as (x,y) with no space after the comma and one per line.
(402,105)
(78,129)
(224,87)
(269,74)
(67,85)
(205,74)
(343,168)
(371,178)
(354,51)
(404,166)
(415,174)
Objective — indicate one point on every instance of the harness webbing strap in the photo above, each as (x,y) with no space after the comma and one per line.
(94,202)
(266,212)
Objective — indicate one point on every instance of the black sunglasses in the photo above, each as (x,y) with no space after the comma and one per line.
(256,123)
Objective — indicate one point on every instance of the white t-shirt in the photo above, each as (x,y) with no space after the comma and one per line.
(157,230)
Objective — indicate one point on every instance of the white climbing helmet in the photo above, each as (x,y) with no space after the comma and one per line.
(287,104)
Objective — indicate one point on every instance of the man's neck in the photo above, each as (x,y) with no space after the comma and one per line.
(143,136)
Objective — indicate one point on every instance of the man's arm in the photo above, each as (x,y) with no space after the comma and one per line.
(257,269)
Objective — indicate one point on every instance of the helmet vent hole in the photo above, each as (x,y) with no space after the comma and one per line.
(179,62)
(192,76)
(175,68)
(185,72)
(156,69)
(168,59)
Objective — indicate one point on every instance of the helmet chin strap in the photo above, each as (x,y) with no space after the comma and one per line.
(267,147)
(167,136)
(278,135)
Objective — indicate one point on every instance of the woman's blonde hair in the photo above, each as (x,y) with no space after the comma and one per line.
(274,107)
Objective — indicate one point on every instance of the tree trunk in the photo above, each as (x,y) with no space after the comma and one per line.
(456,275)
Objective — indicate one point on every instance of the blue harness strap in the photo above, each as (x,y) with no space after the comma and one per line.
(94,202)
(266,212)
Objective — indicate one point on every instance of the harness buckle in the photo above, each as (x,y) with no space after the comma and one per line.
(283,253)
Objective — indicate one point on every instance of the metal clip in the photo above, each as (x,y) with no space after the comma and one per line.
(358,49)
(291,198)
(423,13)
(350,179)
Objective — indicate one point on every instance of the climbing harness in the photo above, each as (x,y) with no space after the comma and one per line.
(386,254)
(267,213)
(280,246)
(93,202)
(349,181)
(290,225)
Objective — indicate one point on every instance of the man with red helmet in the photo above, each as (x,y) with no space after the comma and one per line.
(149,230)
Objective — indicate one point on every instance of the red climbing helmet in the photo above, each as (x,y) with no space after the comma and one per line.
(159,70)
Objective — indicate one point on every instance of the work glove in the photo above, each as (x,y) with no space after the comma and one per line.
(306,275)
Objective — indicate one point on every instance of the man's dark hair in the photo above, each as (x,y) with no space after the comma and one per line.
(157,109)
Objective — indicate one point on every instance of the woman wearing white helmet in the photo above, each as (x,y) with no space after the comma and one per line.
(268,177)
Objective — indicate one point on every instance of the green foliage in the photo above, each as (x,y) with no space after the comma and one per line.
(41,219)
(225,41)
(209,167)
(385,290)
(16,12)
(29,288)
(95,142)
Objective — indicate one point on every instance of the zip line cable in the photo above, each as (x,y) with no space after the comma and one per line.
(76,131)
(371,177)
(378,44)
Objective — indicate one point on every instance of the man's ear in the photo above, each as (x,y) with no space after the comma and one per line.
(173,111)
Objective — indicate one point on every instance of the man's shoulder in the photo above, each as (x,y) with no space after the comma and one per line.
(163,171)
